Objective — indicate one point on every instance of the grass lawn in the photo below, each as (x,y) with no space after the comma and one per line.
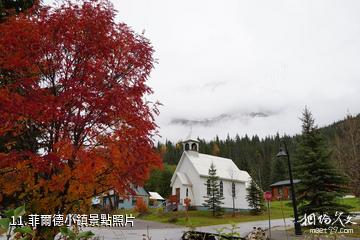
(204,218)
(353,202)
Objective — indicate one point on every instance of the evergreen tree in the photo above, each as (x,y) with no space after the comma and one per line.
(347,151)
(255,197)
(321,184)
(213,199)
(159,180)
(279,170)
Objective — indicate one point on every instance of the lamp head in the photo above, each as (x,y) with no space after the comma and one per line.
(281,153)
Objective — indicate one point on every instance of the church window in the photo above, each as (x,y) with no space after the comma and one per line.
(187,192)
(208,187)
(221,188)
(233,189)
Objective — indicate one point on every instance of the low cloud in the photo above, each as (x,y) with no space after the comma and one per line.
(213,85)
(207,122)
(209,86)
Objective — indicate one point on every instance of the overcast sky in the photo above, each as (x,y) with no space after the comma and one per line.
(249,67)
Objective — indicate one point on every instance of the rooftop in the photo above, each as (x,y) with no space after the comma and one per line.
(225,167)
(284,183)
(156,196)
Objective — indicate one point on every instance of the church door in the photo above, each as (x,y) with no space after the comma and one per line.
(178,195)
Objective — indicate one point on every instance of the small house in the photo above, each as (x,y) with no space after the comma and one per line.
(125,201)
(156,200)
(281,190)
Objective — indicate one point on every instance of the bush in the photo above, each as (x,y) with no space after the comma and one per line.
(160,210)
(141,206)
(192,208)
(173,219)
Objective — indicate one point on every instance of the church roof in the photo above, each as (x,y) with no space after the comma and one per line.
(184,179)
(225,167)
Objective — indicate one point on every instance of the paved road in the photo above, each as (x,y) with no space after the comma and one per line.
(162,231)
(280,234)
(159,231)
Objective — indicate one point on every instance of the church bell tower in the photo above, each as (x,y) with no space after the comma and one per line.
(190,144)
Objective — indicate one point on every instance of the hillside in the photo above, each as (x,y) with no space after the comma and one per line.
(258,156)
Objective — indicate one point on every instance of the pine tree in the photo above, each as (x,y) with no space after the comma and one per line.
(255,197)
(279,170)
(213,199)
(321,184)
(347,151)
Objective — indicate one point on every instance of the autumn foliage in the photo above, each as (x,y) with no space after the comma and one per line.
(140,206)
(74,121)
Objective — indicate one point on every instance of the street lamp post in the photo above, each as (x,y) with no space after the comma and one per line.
(285,153)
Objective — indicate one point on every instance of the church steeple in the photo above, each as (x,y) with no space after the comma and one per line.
(190,144)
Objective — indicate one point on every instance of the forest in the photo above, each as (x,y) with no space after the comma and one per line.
(258,155)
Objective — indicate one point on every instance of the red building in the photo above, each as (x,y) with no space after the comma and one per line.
(281,190)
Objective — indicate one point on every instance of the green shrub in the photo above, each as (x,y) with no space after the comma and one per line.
(173,219)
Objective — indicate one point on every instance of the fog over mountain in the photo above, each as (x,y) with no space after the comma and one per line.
(249,67)
(210,122)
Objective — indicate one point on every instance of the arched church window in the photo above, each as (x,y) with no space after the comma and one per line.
(208,187)
(221,188)
(187,192)
(233,189)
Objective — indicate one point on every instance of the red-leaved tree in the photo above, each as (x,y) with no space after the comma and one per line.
(74,121)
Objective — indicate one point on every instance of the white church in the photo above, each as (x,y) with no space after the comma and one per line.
(191,174)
